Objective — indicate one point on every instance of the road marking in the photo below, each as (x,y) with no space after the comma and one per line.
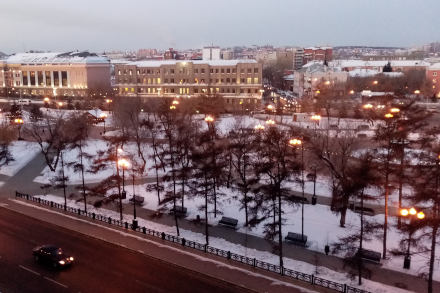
(123,245)
(29,270)
(53,281)
(3,204)
(141,251)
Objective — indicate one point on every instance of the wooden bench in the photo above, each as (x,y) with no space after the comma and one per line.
(228,222)
(370,255)
(138,199)
(179,211)
(296,238)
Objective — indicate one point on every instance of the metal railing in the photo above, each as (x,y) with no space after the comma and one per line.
(311,279)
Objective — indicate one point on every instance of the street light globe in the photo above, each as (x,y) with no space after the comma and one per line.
(404,212)
(46,100)
(209,118)
(60,104)
(103,115)
(389,115)
(316,117)
(375,82)
(295,141)
(394,110)
(123,163)
(417,92)
(269,107)
(175,102)
(412,211)
(259,127)
(367,106)
(270,122)
(420,215)
(172,107)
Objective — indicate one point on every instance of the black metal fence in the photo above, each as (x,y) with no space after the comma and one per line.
(311,279)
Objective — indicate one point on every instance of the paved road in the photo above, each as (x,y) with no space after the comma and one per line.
(100,267)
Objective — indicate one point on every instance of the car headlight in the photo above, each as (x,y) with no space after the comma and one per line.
(61,262)
(71,258)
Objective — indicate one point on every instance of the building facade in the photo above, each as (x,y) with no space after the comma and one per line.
(318,54)
(433,75)
(239,82)
(54,74)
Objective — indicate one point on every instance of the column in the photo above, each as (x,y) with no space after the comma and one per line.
(29,79)
(51,79)
(60,79)
(36,79)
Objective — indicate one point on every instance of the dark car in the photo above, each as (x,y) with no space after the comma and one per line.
(52,255)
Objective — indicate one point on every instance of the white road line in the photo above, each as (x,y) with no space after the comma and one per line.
(55,282)
(29,270)
(123,245)
(3,204)
(141,251)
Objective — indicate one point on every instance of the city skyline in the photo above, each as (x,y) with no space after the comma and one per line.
(132,24)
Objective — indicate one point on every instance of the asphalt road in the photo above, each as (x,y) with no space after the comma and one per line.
(99,267)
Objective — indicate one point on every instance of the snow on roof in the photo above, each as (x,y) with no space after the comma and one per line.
(288,77)
(375,94)
(56,57)
(158,63)
(363,72)
(435,66)
(378,63)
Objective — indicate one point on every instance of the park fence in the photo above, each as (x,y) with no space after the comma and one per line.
(289,273)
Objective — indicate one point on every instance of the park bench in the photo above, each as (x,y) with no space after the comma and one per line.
(228,222)
(179,211)
(370,255)
(138,199)
(296,238)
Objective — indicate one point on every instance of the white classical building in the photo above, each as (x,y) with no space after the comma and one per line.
(51,74)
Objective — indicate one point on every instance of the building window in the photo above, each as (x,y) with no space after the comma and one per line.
(248,80)
(234,70)
(223,70)
(196,70)
(249,91)
(228,80)
(131,72)
(148,71)
(158,80)
(48,78)
(255,79)
(256,70)
(119,72)
(249,70)
(33,78)
(166,80)
(434,73)
(212,70)
(138,72)
(242,80)
(216,70)
(242,70)
(196,91)
(172,71)
(203,70)
(234,80)
(172,80)
(228,70)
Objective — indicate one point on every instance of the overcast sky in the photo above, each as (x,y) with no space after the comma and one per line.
(97,25)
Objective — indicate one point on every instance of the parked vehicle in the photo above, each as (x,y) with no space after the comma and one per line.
(52,255)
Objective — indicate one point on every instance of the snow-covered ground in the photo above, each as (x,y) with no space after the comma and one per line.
(22,152)
(304,267)
(92,148)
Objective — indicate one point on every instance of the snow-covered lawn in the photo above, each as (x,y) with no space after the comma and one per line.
(92,148)
(304,267)
(22,152)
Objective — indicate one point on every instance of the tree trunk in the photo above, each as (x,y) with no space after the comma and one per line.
(280,234)
(206,210)
(432,258)
(343,216)
(82,177)
(361,239)
(385,223)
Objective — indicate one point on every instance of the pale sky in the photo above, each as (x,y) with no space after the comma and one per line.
(97,25)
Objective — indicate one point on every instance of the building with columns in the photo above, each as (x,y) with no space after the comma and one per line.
(239,82)
(73,74)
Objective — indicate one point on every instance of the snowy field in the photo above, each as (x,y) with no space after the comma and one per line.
(304,267)
(22,152)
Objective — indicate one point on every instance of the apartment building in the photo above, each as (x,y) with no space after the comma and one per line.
(239,82)
(54,74)
(318,54)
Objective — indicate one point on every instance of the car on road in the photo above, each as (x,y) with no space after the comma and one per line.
(52,255)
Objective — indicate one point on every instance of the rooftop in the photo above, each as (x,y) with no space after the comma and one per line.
(158,63)
(379,63)
(56,57)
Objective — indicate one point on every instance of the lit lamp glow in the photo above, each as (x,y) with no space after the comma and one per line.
(270,122)
(395,110)
(295,141)
(259,127)
(367,106)
(389,115)
(209,119)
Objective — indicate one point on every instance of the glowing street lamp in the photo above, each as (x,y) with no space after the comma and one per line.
(410,213)
(172,107)
(46,100)
(417,92)
(103,116)
(270,107)
(375,82)
(389,115)
(175,102)
(298,143)
(394,110)
(327,82)
(60,104)
(316,117)
(19,123)
(124,164)
(351,92)
(259,127)
(270,122)
(367,106)
(209,119)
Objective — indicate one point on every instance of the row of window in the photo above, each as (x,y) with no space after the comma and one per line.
(248,80)
(184,91)
(185,71)
(37,78)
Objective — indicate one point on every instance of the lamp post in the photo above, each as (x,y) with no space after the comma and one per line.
(296,143)
(103,117)
(124,164)
(316,118)
(412,214)
(19,122)
(135,222)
